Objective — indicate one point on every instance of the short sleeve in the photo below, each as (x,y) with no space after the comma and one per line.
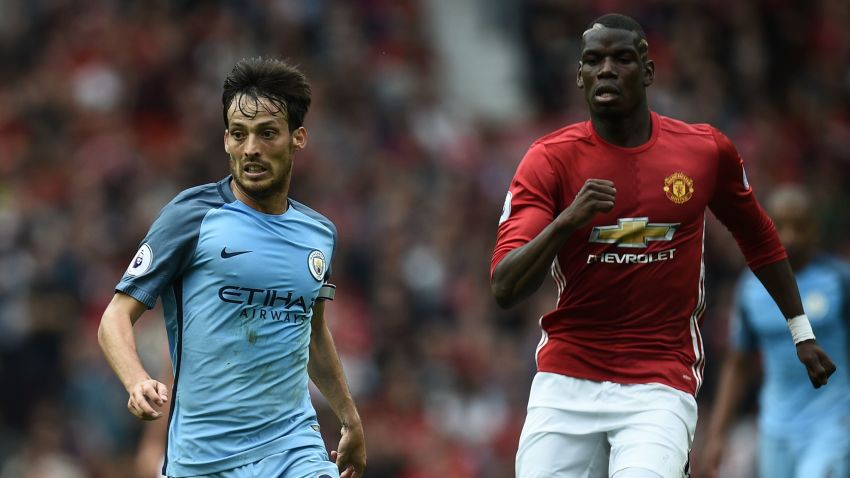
(735,205)
(329,272)
(328,225)
(164,253)
(530,204)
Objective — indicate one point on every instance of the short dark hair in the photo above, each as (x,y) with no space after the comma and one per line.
(275,80)
(622,22)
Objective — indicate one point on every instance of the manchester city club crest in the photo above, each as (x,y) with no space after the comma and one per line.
(678,187)
(317,265)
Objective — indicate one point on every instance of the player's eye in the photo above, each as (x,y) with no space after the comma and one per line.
(269,134)
(590,60)
(237,135)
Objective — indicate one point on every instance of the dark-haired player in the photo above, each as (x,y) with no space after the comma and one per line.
(615,208)
(242,271)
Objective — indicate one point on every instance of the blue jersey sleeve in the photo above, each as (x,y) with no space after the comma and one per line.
(842,269)
(741,334)
(326,223)
(168,247)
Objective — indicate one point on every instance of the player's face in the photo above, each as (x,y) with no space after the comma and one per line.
(612,73)
(261,147)
(797,231)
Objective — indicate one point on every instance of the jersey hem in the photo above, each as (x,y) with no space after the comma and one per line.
(280,445)
(620,380)
(137,293)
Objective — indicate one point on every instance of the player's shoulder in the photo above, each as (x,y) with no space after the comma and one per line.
(835,264)
(192,205)
(695,136)
(570,133)
(203,196)
(679,127)
(314,215)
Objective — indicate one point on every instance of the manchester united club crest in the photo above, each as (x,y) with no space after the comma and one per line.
(678,187)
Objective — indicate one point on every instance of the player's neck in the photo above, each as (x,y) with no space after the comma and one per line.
(624,131)
(274,204)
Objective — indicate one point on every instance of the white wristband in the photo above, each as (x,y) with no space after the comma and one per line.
(801,329)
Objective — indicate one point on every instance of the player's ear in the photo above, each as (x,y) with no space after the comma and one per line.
(648,72)
(579,81)
(226,146)
(299,138)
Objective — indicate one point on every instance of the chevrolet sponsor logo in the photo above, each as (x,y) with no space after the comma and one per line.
(614,258)
(633,232)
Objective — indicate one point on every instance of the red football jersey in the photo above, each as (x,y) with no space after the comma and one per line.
(630,283)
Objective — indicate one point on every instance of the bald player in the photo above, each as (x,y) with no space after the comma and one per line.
(803,433)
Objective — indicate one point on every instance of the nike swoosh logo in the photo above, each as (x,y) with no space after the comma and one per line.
(228,255)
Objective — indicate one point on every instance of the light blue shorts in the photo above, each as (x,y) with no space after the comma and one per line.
(305,462)
(824,452)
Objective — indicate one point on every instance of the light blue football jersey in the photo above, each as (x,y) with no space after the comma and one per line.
(788,403)
(237,289)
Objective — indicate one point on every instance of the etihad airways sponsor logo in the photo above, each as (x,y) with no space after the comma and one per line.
(267,304)
(235,294)
(614,258)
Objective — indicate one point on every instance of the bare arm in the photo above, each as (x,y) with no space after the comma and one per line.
(151,447)
(116,338)
(522,271)
(779,281)
(326,372)
(733,378)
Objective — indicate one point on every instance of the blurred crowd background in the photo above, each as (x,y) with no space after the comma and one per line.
(422,110)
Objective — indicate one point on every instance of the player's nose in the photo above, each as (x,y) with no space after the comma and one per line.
(252,146)
(606,68)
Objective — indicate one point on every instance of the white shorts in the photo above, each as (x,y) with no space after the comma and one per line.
(579,428)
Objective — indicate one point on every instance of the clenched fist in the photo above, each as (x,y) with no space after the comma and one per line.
(595,196)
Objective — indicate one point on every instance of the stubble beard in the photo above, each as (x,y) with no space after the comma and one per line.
(260,190)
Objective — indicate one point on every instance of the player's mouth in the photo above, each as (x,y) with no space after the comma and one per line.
(606,93)
(254,170)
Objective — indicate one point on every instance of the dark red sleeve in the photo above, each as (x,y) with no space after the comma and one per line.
(530,205)
(736,207)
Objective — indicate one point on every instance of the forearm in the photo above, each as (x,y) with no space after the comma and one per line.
(778,279)
(326,372)
(523,270)
(115,336)
(730,391)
